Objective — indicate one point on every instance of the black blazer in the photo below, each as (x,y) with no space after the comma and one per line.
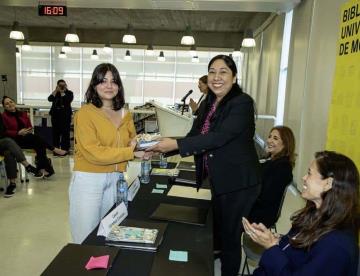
(276,175)
(229,144)
(61,105)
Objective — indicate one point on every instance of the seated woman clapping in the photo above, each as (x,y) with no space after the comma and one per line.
(18,126)
(323,237)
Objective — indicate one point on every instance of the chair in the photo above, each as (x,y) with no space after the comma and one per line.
(3,172)
(26,176)
(252,250)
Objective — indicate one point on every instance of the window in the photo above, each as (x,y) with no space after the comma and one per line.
(144,77)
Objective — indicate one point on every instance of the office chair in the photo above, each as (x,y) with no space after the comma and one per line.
(252,250)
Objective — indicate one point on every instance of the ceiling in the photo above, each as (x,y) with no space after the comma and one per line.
(215,24)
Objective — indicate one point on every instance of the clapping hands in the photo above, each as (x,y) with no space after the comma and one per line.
(260,234)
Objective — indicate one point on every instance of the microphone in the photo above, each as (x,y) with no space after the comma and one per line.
(187,95)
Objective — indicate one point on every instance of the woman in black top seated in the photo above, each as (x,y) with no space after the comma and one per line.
(276,173)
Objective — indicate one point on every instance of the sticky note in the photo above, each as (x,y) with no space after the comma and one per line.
(161,186)
(178,256)
(97,262)
(157,191)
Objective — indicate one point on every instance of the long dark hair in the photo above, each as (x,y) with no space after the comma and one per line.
(288,139)
(339,207)
(91,95)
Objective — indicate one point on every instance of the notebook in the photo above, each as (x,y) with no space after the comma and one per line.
(72,258)
(144,246)
(180,213)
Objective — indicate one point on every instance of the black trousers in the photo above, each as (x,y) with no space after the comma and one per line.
(12,154)
(228,210)
(33,141)
(61,130)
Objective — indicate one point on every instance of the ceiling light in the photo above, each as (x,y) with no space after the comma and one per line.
(72,36)
(193,51)
(129,36)
(248,40)
(236,52)
(94,55)
(161,56)
(17,52)
(107,48)
(127,55)
(149,50)
(195,59)
(188,38)
(62,54)
(15,32)
(66,48)
(26,46)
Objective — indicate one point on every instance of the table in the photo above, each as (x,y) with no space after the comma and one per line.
(197,240)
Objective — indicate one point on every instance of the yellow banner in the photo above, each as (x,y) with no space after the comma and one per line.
(343,133)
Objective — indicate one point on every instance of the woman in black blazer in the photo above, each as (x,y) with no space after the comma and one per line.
(221,140)
(276,174)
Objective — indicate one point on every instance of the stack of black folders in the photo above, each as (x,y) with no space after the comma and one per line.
(180,213)
(72,259)
(137,235)
(186,173)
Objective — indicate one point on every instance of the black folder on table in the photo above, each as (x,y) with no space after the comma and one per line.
(161,226)
(186,166)
(72,259)
(186,177)
(180,213)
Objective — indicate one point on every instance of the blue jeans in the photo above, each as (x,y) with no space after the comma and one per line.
(91,196)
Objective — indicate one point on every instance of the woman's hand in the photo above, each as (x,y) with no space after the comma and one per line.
(165,145)
(133,144)
(193,105)
(25,131)
(260,234)
(143,154)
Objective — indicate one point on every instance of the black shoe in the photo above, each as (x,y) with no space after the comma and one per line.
(33,171)
(49,174)
(10,190)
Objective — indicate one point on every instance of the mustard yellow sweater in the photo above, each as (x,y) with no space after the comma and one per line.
(99,146)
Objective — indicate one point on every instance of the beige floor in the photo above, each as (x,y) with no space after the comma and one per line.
(34,223)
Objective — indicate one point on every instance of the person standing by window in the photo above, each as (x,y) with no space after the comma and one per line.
(104,143)
(61,112)
(221,140)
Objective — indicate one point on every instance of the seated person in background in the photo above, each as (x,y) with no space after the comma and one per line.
(18,126)
(276,174)
(323,237)
(12,154)
(203,87)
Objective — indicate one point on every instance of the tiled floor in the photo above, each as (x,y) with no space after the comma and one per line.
(34,223)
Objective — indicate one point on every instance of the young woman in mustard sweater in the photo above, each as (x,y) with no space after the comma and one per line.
(104,142)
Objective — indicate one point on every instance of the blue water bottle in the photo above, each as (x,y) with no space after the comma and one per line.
(145,172)
(122,191)
(162,161)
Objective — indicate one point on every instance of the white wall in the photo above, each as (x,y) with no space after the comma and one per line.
(310,76)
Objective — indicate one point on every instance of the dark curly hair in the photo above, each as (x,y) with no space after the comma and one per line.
(91,95)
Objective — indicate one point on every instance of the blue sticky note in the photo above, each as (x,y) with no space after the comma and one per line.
(178,256)
(161,186)
(157,191)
